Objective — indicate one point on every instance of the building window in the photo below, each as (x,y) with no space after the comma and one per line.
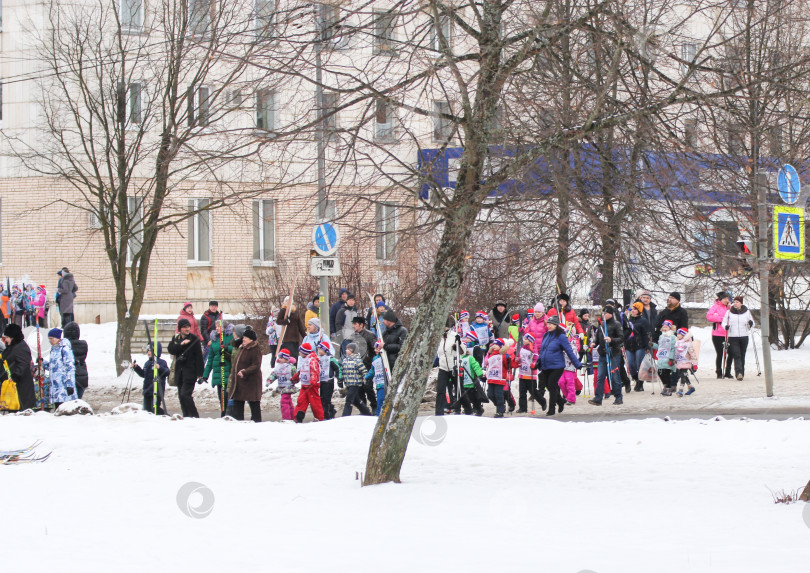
(135,215)
(443,27)
(384,25)
(199,105)
(199,231)
(130,103)
(264,231)
(199,16)
(383,120)
(386,226)
(331,26)
(131,14)
(442,126)
(690,133)
(265,110)
(688,55)
(265,18)
(329,112)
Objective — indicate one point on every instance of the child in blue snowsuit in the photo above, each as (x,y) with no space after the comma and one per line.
(377,374)
(147,373)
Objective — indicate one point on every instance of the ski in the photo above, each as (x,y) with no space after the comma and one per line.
(6,453)
(383,355)
(22,459)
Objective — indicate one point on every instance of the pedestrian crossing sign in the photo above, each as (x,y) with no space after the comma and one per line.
(788,230)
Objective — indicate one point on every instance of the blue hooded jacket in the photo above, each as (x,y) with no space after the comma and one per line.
(555,343)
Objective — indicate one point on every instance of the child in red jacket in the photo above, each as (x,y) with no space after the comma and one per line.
(496,367)
(309,375)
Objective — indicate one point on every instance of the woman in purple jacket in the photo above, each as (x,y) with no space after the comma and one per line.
(715,316)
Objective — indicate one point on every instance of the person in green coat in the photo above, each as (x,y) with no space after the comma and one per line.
(217,359)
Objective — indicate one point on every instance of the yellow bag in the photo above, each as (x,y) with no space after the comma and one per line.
(9,399)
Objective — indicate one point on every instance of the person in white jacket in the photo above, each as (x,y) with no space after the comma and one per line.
(738,322)
(447,355)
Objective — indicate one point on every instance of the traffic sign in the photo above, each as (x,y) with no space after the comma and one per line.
(325,238)
(789,184)
(788,233)
(324,267)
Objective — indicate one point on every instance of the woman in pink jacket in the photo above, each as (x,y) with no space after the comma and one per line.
(40,301)
(715,316)
(188,314)
(537,325)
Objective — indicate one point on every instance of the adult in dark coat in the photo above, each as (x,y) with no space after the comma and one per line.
(636,341)
(551,363)
(609,338)
(208,321)
(393,337)
(245,382)
(674,312)
(18,356)
(343,294)
(365,339)
(295,330)
(72,333)
(189,366)
(500,320)
(650,311)
(66,291)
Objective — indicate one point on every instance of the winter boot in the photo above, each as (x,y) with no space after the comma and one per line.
(618,402)
(299,417)
(666,391)
(499,414)
(691,390)
(595,402)
(639,386)
(543,404)
(719,374)
(479,411)
(739,377)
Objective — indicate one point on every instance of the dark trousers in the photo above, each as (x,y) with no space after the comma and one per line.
(273,353)
(469,400)
(718,342)
(66,317)
(353,399)
(550,378)
(495,393)
(255,410)
(148,404)
(446,388)
(509,397)
(666,378)
(327,389)
(527,388)
(369,393)
(737,346)
(185,392)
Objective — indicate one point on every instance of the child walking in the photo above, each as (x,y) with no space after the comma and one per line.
(309,375)
(283,373)
(330,371)
(498,363)
(665,361)
(354,373)
(377,374)
(685,360)
(527,377)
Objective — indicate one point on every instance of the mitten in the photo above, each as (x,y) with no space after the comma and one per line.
(70,391)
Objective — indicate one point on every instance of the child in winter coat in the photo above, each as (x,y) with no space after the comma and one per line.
(685,360)
(309,374)
(62,367)
(463,326)
(148,373)
(315,333)
(330,371)
(40,306)
(470,385)
(354,373)
(665,361)
(377,374)
(525,323)
(514,328)
(527,377)
(497,365)
(283,373)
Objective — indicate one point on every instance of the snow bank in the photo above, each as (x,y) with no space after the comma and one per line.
(489,495)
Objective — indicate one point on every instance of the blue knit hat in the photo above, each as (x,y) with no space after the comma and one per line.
(54,333)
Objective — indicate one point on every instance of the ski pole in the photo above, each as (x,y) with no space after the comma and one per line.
(125,396)
(756,355)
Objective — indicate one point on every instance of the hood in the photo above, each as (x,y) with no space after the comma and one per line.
(159,349)
(72,331)
(342,290)
(311,306)
(743,309)
(499,315)
(67,276)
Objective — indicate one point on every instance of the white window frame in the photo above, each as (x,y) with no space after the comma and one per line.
(264,25)
(260,227)
(384,44)
(272,108)
(445,23)
(385,216)
(440,124)
(135,204)
(193,105)
(194,232)
(192,7)
(688,55)
(129,26)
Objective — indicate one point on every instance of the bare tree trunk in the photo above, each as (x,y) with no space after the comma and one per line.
(403,396)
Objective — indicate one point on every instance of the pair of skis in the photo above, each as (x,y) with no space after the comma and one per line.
(22,455)
(383,355)
(153,342)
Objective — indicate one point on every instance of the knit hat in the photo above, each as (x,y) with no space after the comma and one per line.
(323,345)
(464,314)
(539,308)
(722,294)
(316,322)
(13,331)
(563,296)
(668,323)
(639,306)
(239,330)
(249,333)
(530,313)
(471,336)
(481,314)
(500,303)
(186,304)
(41,288)
(498,342)
(54,333)
(645,292)
(515,318)
(528,339)
(182,323)
(553,320)
(389,315)
(352,346)
(676,295)
(305,349)
(379,304)
(351,296)
(739,298)
(611,302)
(583,312)
(609,310)
(283,354)
(683,331)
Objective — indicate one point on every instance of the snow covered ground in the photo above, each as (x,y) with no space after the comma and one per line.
(120,493)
